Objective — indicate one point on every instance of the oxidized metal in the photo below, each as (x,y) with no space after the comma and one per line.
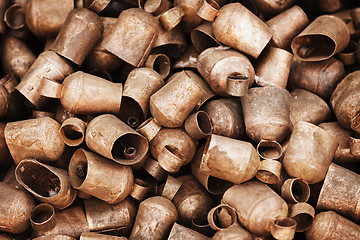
(309,153)
(110,137)
(179,232)
(198,125)
(202,37)
(78,35)
(48,184)
(235,231)
(228,72)
(303,214)
(34,138)
(159,63)
(72,131)
(96,236)
(16,208)
(295,190)
(229,159)
(100,177)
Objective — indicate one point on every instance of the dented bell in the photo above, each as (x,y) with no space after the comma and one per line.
(48,184)
(228,72)
(34,138)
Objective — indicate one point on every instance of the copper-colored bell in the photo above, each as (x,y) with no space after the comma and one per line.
(303,214)
(3,6)
(83,93)
(111,138)
(329,225)
(228,72)
(96,236)
(214,217)
(212,184)
(190,19)
(344,102)
(171,18)
(70,221)
(283,228)
(308,142)
(295,190)
(267,113)
(160,63)
(45,20)
(271,7)
(233,232)
(329,6)
(99,58)
(140,190)
(179,232)
(174,138)
(42,79)
(86,172)
(339,192)
(154,219)
(72,131)
(191,201)
(226,117)
(240,29)
(16,208)
(107,218)
(172,104)
(308,107)
(320,78)
(286,26)
(78,35)
(202,37)
(96,5)
(140,84)
(16,57)
(134,27)
(48,184)
(14,17)
(257,206)
(170,187)
(198,125)
(154,169)
(343,153)
(149,128)
(34,138)
(273,67)
(348,55)
(324,37)
(155,7)
(229,159)
(55,237)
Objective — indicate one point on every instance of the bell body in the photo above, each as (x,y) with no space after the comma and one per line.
(307,143)
(179,232)
(271,7)
(177,138)
(96,236)
(154,219)
(344,102)
(104,218)
(55,237)
(34,138)
(324,37)
(320,78)
(330,225)
(48,184)
(191,201)
(226,117)
(257,206)
(233,232)
(240,29)
(40,80)
(45,19)
(273,67)
(111,138)
(172,103)
(86,94)
(46,222)
(190,19)
(16,208)
(140,84)
(286,26)
(16,57)
(134,27)
(228,72)
(100,177)
(308,107)
(78,35)
(267,113)
(229,159)
(339,192)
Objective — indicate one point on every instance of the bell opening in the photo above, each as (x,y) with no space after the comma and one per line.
(42,214)
(217,185)
(267,177)
(72,132)
(204,123)
(129,147)
(176,152)
(40,179)
(201,40)
(270,150)
(15,17)
(162,65)
(78,168)
(131,112)
(315,46)
(285,222)
(300,191)
(237,76)
(303,221)
(224,224)
(151,6)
